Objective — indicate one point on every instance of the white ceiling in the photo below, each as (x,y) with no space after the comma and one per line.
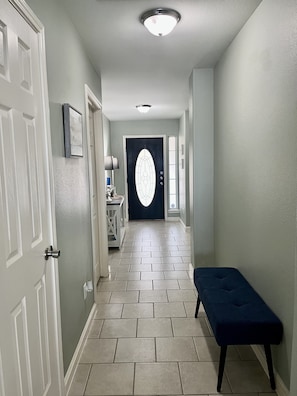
(139,68)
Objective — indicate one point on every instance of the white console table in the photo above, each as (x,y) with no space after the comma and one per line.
(115,221)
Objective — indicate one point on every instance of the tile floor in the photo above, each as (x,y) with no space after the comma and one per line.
(144,338)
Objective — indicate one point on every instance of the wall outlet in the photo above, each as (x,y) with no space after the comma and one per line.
(87,288)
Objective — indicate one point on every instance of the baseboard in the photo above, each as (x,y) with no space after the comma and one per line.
(172,218)
(281,389)
(78,351)
(186,228)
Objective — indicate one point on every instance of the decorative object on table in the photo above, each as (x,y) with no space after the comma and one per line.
(73,131)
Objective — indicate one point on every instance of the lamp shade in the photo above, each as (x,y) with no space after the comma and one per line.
(160,21)
(115,163)
(111,163)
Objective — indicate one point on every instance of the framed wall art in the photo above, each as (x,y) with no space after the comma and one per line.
(73,131)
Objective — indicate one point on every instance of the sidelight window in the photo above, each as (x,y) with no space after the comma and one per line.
(172,165)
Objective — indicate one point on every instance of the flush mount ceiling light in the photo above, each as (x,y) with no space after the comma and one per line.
(143,108)
(160,21)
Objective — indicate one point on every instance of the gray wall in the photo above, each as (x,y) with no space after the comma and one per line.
(68,70)
(118,129)
(256,161)
(201,135)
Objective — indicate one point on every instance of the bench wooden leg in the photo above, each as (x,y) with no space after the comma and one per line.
(269,365)
(197,306)
(221,366)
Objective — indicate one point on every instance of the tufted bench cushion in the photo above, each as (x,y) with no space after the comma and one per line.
(236,312)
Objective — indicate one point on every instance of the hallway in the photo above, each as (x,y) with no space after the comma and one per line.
(144,338)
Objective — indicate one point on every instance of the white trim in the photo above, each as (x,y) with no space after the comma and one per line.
(22,7)
(91,99)
(125,137)
(172,218)
(78,351)
(186,228)
(281,389)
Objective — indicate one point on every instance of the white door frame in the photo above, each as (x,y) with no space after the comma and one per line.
(125,137)
(25,11)
(91,99)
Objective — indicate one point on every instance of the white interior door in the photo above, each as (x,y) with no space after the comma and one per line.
(30,338)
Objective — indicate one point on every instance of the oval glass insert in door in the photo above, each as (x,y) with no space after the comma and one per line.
(145,177)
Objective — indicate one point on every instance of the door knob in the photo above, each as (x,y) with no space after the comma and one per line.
(50,252)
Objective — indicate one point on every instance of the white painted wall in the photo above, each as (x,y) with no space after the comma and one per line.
(256,162)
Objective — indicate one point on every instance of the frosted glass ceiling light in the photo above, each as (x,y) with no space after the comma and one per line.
(160,21)
(143,108)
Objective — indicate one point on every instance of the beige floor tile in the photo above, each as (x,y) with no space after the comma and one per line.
(201,377)
(153,296)
(95,329)
(140,285)
(181,295)
(186,284)
(102,297)
(111,380)
(169,310)
(127,275)
(131,261)
(112,286)
(152,260)
(119,269)
(176,349)
(80,380)
(108,311)
(209,351)
(156,327)
(159,254)
(99,351)
(247,376)
(124,297)
(157,379)
(152,275)
(176,275)
(245,352)
(116,328)
(139,310)
(162,267)
(172,260)
(141,254)
(140,267)
(190,308)
(181,267)
(165,284)
(135,350)
(189,327)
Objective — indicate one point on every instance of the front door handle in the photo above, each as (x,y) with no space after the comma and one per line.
(50,252)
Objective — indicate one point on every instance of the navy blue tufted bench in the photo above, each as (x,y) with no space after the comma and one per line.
(236,313)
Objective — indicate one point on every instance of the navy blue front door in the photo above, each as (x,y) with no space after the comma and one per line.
(139,207)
